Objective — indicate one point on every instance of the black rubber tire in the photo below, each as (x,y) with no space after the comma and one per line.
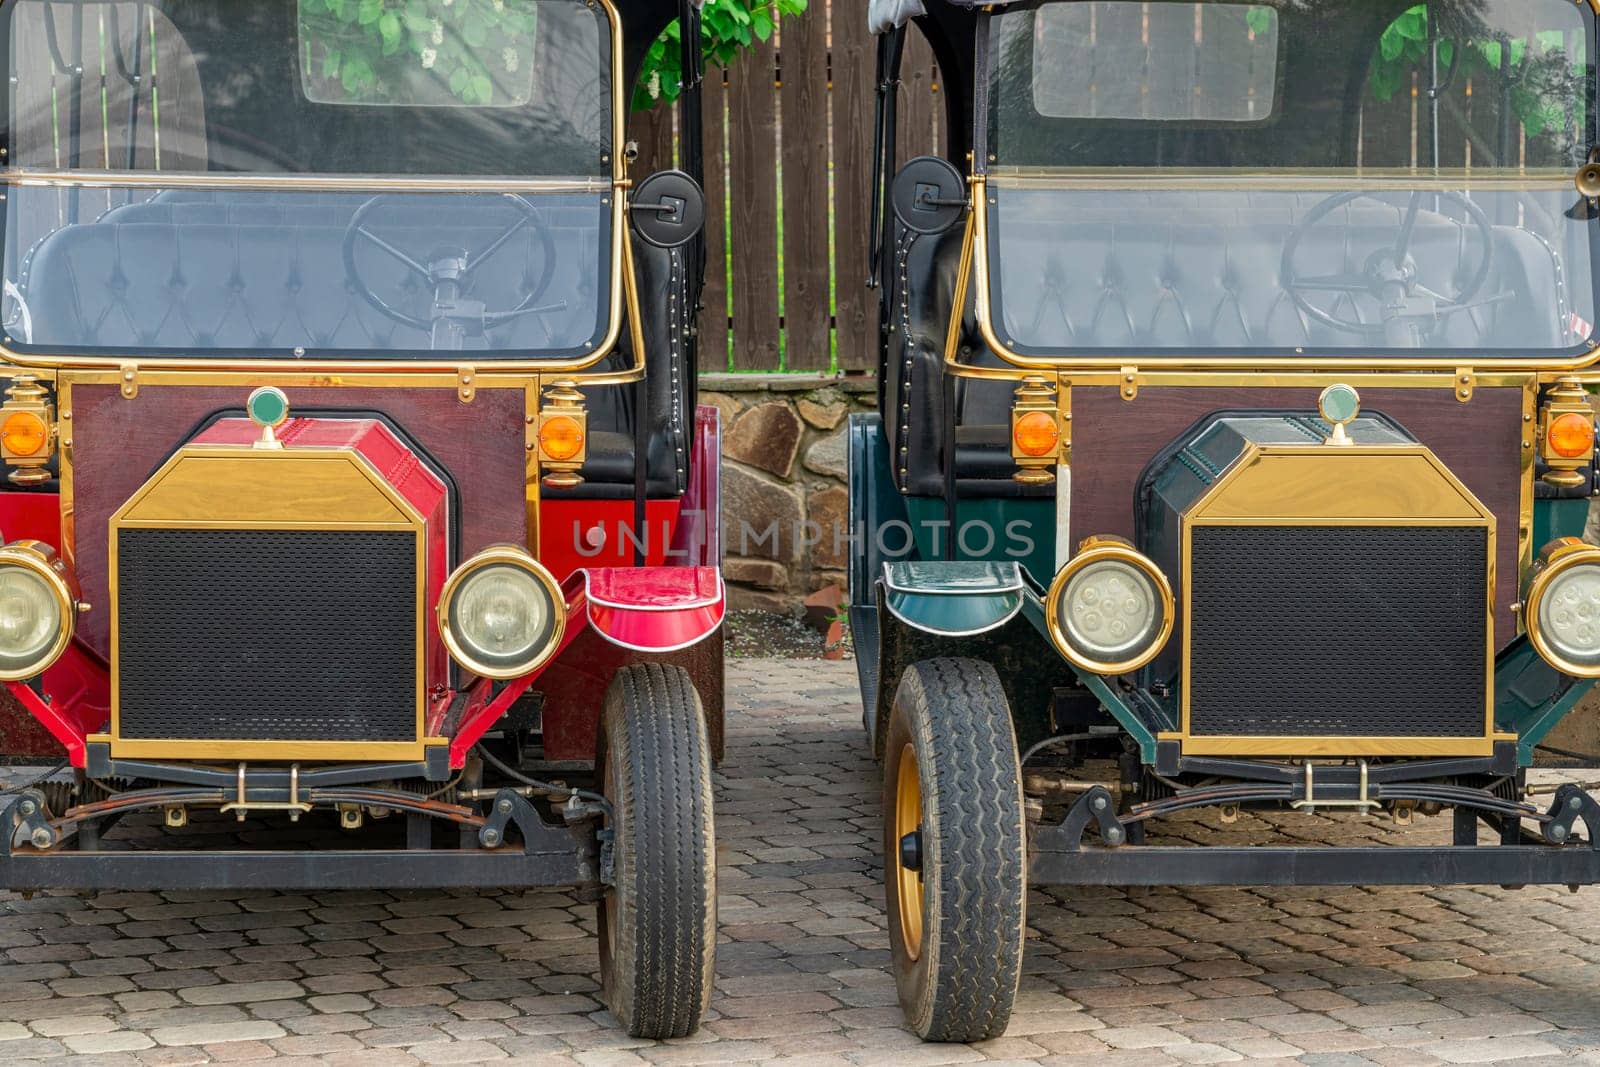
(962,984)
(658,922)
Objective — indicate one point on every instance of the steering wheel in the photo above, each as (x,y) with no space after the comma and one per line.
(447,271)
(1390,274)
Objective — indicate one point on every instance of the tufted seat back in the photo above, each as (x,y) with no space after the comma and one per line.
(215,286)
(194,270)
(1135,272)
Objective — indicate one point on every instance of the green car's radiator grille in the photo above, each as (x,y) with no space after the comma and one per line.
(1338,631)
(293,635)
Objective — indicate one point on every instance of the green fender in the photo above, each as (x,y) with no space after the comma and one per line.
(953,599)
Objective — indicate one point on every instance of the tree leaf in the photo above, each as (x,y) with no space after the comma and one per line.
(1413,25)
(475,31)
(1391,44)
(482,89)
(389,30)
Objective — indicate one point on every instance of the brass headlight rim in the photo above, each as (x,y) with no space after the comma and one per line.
(1098,550)
(41,559)
(1556,559)
(505,555)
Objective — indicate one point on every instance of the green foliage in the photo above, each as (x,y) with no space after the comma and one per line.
(416,51)
(727,28)
(1538,91)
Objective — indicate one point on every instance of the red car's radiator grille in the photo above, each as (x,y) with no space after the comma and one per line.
(288,635)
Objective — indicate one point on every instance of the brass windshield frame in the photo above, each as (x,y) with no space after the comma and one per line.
(976,273)
(623,287)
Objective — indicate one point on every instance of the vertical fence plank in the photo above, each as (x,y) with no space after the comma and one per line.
(917,117)
(753,218)
(652,130)
(854,56)
(803,67)
(714,297)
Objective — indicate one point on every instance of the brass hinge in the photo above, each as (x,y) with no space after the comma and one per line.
(1466,381)
(1064,409)
(1129,381)
(130,380)
(465,389)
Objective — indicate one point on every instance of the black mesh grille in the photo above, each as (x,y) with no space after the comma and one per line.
(1338,631)
(267,634)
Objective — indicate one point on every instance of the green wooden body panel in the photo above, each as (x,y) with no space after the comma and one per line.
(1024,531)
(938,603)
(1558,518)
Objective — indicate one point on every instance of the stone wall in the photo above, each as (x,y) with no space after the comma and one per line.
(785,504)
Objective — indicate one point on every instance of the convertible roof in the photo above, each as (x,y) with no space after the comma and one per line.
(642,23)
(886,15)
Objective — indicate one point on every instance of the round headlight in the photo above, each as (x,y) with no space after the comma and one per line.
(501,614)
(38,609)
(1561,608)
(1110,609)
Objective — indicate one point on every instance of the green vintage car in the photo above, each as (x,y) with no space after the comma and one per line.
(1233,450)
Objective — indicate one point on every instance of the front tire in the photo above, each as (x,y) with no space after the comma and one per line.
(954,850)
(658,933)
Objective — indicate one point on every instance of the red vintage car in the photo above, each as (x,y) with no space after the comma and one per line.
(355,471)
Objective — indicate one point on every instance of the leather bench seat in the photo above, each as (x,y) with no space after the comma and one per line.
(1137,273)
(196,269)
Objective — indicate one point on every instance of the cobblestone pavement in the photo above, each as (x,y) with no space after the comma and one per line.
(1317,976)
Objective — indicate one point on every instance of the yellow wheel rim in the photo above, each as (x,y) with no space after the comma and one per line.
(908,819)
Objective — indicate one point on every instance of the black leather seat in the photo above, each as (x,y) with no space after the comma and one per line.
(199,270)
(1138,272)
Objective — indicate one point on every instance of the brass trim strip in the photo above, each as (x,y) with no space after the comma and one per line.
(1379,179)
(227,749)
(1331,747)
(374,183)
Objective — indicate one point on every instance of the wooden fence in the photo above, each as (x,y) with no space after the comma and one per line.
(788,149)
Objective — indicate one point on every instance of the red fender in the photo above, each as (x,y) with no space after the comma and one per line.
(655,609)
(78,688)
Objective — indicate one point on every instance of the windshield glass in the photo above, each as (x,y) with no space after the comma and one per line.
(351,91)
(1373,174)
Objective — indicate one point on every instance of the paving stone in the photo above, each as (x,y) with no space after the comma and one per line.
(102,1044)
(208,1033)
(1320,977)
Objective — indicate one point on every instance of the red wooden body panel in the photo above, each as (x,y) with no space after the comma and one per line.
(119,443)
(79,690)
(31,517)
(568,530)
(669,611)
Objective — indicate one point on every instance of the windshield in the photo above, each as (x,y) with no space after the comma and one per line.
(1300,174)
(239,254)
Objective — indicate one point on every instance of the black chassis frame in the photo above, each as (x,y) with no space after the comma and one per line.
(42,851)
(1552,855)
